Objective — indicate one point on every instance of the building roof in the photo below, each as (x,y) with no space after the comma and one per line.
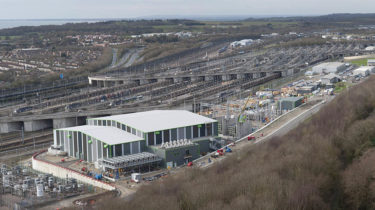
(364,68)
(330,76)
(107,134)
(329,65)
(371,60)
(291,98)
(158,120)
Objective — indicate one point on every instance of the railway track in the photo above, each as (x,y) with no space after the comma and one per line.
(18,143)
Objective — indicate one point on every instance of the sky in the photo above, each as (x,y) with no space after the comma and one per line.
(66,9)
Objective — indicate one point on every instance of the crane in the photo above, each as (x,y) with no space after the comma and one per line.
(240,117)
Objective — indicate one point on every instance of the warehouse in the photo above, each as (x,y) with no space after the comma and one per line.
(330,79)
(371,62)
(306,90)
(363,71)
(329,67)
(107,138)
(289,103)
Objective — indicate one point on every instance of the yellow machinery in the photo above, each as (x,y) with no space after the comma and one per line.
(240,117)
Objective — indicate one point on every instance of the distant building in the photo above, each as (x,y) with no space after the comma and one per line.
(242,43)
(363,71)
(371,62)
(330,79)
(370,48)
(329,67)
(289,103)
(305,90)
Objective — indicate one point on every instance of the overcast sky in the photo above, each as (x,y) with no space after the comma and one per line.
(42,9)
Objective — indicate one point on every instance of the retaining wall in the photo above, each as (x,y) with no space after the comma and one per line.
(63,173)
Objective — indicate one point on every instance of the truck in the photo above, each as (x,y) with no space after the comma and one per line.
(136,177)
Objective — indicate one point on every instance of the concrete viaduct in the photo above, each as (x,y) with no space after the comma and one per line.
(108,81)
(61,120)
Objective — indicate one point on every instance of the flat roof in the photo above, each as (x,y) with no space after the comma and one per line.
(291,98)
(364,68)
(107,134)
(330,64)
(158,120)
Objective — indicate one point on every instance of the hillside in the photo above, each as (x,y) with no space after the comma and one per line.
(325,163)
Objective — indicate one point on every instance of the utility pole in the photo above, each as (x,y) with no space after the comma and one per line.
(22,135)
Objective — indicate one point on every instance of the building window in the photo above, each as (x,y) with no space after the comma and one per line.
(216,129)
(188,132)
(134,131)
(95,122)
(195,131)
(166,135)
(181,133)
(108,123)
(123,127)
(118,150)
(104,123)
(158,137)
(119,125)
(126,149)
(209,129)
(151,138)
(128,129)
(173,134)
(202,130)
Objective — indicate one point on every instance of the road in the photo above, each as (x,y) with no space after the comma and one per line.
(278,127)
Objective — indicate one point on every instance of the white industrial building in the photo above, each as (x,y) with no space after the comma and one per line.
(364,71)
(330,79)
(329,67)
(116,139)
(371,62)
(241,43)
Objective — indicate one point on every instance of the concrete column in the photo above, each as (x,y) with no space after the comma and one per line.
(209,78)
(241,76)
(256,75)
(36,125)
(7,127)
(143,81)
(226,77)
(177,79)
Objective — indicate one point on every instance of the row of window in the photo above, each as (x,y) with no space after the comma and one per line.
(85,147)
(189,132)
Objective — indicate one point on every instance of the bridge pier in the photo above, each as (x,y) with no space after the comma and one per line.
(8,127)
(36,125)
(177,79)
(226,77)
(256,75)
(209,78)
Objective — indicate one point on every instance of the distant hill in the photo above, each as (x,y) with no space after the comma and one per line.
(325,163)
(348,18)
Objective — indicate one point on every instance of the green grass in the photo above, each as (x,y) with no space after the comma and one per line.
(361,62)
(10,37)
(341,86)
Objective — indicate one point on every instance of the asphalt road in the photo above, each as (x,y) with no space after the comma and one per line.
(280,131)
